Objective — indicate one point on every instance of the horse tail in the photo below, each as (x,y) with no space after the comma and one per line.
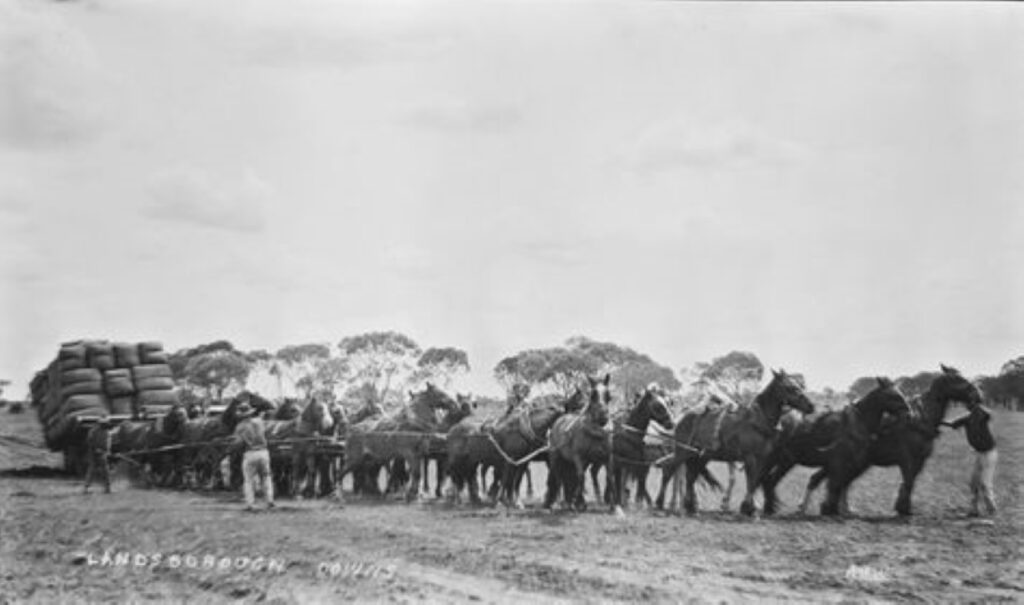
(709,478)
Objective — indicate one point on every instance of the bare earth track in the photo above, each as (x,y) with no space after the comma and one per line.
(53,540)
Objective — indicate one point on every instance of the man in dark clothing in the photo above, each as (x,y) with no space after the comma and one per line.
(980,438)
(250,437)
(98,443)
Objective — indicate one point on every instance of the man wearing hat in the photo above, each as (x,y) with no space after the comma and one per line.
(249,436)
(98,444)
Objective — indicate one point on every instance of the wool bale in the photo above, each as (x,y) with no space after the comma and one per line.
(82,388)
(153,357)
(151,346)
(122,406)
(167,397)
(81,375)
(126,354)
(51,405)
(118,383)
(75,350)
(154,383)
(38,386)
(72,364)
(158,370)
(77,403)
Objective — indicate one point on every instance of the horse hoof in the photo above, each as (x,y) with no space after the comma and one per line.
(748,509)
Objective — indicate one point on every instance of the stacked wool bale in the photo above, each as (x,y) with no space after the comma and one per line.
(69,389)
(95,378)
(154,386)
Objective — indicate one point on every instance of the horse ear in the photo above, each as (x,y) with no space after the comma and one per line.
(592,382)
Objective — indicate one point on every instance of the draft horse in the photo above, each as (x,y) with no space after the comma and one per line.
(836,441)
(745,435)
(576,441)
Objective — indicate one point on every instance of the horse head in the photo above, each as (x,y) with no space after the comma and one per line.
(463,410)
(600,400)
(174,421)
(340,417)
(289,409)
(786,392)
(369,410)
(434,398)
(520,392)
(653,405)
(951,385)
(575,402)
(318,415)
(885,398)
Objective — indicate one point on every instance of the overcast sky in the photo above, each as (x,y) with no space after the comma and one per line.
(838,188)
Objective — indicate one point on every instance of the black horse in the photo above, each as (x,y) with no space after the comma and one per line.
(746,435)
(142,441)
(628,451)
(575,441)
(836,441)
(909,444)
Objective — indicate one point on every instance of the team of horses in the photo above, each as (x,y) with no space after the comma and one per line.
(775,432)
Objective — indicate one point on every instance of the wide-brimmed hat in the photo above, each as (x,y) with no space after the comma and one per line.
(244,409)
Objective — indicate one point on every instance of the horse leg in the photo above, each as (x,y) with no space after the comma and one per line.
(727,496)
(441,468)
(599,496)
(836,482)
(494,488)
(529,481)
(642,498)
(909,469)
(414,465)
(752,470)
(667,472)
(580,477)
(614,484)
(774,473)
(693,467)
(812,484)
(553,482)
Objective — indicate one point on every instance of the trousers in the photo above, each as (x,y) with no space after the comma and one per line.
(256,466)
(981,481)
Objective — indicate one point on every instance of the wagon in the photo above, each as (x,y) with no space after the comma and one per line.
(90,379)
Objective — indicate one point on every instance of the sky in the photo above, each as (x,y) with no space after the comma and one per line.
(835,187)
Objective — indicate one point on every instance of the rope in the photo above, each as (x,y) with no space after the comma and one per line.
(509,459)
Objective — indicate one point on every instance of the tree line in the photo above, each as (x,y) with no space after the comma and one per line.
(381,366)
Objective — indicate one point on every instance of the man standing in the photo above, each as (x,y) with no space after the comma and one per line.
(250,437)
(980,438)
(98,443)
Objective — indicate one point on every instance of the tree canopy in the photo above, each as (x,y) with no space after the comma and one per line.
(380,358)
(217,371)
(441,364)
(737,373)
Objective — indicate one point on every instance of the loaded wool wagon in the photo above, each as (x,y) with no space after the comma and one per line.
(90,379)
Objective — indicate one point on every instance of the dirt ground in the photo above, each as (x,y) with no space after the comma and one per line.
(54,542)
